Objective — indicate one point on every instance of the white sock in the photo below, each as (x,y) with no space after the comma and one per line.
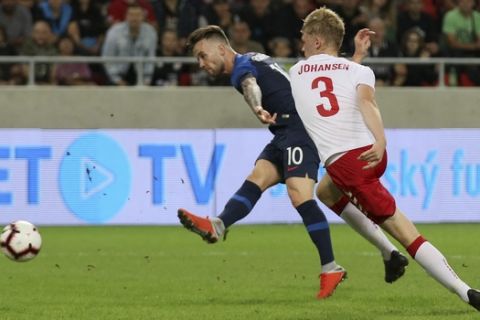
(218,225)
(369,230)
(437,266)
(331,266)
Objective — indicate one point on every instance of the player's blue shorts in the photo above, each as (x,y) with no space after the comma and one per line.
(292,152)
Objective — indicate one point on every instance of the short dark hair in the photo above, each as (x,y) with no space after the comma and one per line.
(208,32)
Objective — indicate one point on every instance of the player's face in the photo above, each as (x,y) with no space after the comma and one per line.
(210,57)
(309,44)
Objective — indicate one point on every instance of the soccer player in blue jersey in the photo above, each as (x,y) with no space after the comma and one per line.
(289,158)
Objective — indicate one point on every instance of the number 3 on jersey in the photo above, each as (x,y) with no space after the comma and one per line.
(327,93)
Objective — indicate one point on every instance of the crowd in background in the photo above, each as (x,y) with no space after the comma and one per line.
(159,28)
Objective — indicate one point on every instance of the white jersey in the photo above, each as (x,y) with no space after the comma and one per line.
(325,92)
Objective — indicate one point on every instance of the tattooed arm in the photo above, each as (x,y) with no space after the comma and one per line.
(253,96)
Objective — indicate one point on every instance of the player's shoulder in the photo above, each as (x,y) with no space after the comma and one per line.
(366,70)
(359,68)
(352,64)
(252,57)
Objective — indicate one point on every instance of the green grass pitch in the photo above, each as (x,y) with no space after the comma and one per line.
(260,272)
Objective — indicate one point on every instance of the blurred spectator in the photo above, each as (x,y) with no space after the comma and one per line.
(413,46)
(10,73)
(355,19)
(413,16)
(71,73)
(132,38)
(88,27)
(382,47)
(445,5)
(117,10)
(219,13)
(172,74)
(434,8)
(288,21)
(385,10)
(30,5)
(461,27)
(40,44)
(16,21)
(328,3)
(87,30)
(58,14)
(179,15)
(240,39)
(260,16)
(281,47)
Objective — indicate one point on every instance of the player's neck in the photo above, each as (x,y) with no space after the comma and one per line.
(332,53)
(324,48)
(229,60)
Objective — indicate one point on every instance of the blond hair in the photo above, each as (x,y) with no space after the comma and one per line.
(327,24)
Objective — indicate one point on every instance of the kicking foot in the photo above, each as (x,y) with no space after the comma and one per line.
(329,282)
(474,298)
(395,267)
(209,229)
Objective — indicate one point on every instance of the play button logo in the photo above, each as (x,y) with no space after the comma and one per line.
(95,178)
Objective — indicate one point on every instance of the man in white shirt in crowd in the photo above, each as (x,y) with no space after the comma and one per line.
(132,38)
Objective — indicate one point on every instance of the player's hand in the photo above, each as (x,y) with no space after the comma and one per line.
(362,44)
(373,156)
(264,116)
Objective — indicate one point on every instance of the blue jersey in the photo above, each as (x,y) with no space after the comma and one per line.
(273,82)
(291,150)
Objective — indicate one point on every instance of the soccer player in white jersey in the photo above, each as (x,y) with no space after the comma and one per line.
(335,99)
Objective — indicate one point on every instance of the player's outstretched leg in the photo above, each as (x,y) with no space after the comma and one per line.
(210,229)
(429,257)
(330,280)
(395,267)
(395,262)
(474,298)
(333,198)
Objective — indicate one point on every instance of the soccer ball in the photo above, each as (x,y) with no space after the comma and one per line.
(20,241)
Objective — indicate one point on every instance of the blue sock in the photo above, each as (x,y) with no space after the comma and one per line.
(317,227)
(241,203)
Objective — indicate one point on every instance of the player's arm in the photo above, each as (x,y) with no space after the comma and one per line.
(362,44)
(253,96)
(373,119)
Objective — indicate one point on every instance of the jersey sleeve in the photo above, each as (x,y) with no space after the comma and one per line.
(365,75)
(242,68)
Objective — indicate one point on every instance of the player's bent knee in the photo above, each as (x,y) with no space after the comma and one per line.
(262,180)
(297,197)
(328,193)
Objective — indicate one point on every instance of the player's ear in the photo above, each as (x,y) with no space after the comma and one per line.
(318,42)
(221,49)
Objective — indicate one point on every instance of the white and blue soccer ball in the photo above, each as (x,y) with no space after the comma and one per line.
(20,241)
